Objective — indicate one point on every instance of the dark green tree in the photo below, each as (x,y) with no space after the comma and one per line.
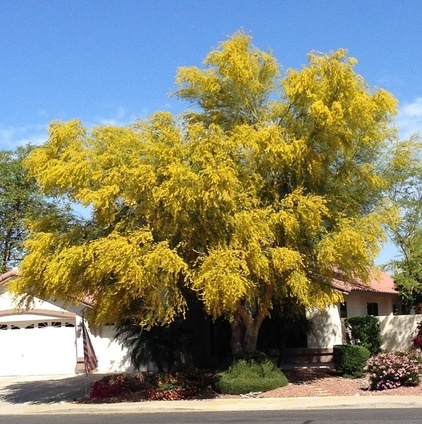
(406,193)
(20,201)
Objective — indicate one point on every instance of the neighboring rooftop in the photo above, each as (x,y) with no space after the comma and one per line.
(8,275)
(380,282)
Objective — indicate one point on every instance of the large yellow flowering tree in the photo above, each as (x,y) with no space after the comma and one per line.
(267,189)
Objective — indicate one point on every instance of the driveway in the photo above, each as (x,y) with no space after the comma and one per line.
(45,389)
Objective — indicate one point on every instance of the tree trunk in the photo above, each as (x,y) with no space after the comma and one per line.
(245,330)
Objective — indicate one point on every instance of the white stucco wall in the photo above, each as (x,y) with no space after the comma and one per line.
(112,355)
(357,303)
(326,328)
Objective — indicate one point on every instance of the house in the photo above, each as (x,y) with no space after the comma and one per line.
(378,298)
(47,339)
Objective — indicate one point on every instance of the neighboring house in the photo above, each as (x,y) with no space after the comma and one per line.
(47,339)
(379,298)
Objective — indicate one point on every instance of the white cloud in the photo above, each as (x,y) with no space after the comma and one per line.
(409,119)
(120,118)
(12,137)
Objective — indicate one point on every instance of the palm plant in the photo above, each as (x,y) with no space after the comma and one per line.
(167,347)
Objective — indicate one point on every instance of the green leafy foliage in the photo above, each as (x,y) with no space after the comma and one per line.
(408,270)
(406,191)
(350,360)
(19,202)
(250,375)
(366,332)
(168,347)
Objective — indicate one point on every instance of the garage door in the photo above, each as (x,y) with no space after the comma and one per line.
(37,347)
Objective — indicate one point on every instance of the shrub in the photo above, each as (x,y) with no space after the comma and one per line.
(160,386)
(366,332)
(393,369)
(115,385)
(174,386)
(256,374)
(350,360)
(166,346)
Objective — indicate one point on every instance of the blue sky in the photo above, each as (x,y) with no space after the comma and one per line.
(108,61)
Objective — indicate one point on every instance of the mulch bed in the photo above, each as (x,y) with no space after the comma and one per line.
(294,376)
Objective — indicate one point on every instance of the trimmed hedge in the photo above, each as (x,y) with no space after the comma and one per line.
(366,332)
(250,375)
(350,360)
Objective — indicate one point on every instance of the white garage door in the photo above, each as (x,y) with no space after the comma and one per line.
(37,347)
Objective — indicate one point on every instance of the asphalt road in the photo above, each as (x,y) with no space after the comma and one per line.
(359,416)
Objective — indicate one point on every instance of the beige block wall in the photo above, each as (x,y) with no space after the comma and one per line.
(397,331)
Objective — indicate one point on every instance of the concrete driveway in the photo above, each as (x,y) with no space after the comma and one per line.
(45,389)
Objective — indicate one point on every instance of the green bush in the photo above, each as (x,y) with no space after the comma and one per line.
(366,332)
(250,375)
(350,360)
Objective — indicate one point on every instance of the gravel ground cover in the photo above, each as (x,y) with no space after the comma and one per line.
(305,382)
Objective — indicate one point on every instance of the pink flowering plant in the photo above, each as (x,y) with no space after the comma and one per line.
(390,370)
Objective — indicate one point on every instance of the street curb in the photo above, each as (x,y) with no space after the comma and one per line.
(216,405)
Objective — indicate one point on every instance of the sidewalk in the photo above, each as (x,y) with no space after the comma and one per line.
(215,405)
(55,395)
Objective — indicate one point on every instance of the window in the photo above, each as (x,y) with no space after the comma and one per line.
(400,309)
(3,327)
(372,309)
(343,310)
(28,327)
(42,324)
(56,324)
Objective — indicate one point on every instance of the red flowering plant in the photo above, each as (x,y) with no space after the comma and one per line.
(116,385)
(160,386)
(417,340)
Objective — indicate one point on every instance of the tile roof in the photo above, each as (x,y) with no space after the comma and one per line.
(380,282)
(8,275)
(13,273)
